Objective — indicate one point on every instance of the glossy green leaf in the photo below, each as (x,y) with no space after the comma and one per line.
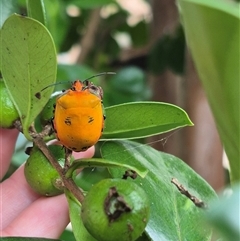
(79,230)
(224,214)
(142,119)
(7,8)
(98,162)
(172,215)
(212,31)
(36,10)
(28,65)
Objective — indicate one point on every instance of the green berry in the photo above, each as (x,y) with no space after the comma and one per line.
(41,175)
(8,112)
(115,210)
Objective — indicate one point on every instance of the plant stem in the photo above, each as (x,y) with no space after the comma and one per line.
(68,182)
(68,154)
(39,142)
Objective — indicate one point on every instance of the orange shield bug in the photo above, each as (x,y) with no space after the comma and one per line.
(79,115)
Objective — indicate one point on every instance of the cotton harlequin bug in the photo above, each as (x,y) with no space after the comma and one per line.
(79,117)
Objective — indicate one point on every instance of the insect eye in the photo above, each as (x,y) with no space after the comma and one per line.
(87,83)
(93,88)
(96,91)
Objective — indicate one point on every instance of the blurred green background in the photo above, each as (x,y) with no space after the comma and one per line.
(144,43)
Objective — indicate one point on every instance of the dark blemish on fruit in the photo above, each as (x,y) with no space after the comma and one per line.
(115,205)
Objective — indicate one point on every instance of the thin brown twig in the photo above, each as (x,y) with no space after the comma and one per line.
(198,203)
(68,182)
(39,142)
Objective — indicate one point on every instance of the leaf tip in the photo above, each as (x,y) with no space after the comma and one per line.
(191,123)
(141,173)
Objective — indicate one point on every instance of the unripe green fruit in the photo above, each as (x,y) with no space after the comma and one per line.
(115,210)
(8,112)
(40,174)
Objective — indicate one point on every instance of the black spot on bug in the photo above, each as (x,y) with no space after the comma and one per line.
(85,148)
(54,107)
(104,117)
(38,95)
(68,121)
(90,119)
(53,125)
(94,88)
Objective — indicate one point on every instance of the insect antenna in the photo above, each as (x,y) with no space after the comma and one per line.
(63,82)
(96,75)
